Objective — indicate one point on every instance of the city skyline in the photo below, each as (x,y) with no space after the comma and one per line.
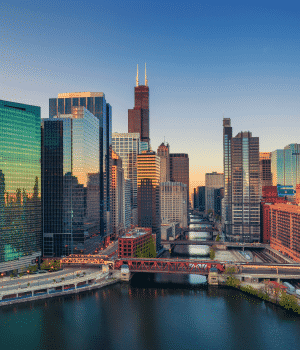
(203,62)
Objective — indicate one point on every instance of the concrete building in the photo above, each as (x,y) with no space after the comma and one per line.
(163,152)
(148,177)
(179,170)
(20,186)
(117,196)
(213,181)
(127,146)
(241,185)
(170,231)
(173,202)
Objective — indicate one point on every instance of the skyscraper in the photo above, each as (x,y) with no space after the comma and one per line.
(117,195)
(71,183)
(212,181)
(127,146)
(138,117)
(163,152)
(265,169)
(148,176)
(173,202)
(94,102)
(242,186)
(20,181)
(285,166)
(199,198)
(179,170)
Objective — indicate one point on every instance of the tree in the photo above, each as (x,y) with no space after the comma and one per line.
(152,247)
(218,238)
(138,253)
(212,254)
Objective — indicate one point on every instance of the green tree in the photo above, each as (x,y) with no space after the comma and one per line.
(152,248)
(212,254)
(138,253)
(218,238)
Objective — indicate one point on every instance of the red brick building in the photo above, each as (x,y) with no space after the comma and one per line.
(269,196)
(131,240)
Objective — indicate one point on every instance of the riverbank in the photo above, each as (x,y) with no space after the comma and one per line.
(96,285)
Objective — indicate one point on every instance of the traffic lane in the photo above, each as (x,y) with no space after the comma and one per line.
(280,271)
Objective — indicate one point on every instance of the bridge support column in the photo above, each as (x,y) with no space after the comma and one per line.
(47,290)
(278,280)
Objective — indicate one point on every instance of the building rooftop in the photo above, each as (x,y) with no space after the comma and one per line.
(81,94)
(287,207)
(135,233)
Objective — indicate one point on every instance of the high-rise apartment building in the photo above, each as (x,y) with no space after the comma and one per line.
(285,166)
(163,152)
(265,169)
(241,185)
(117,196)
(148,180)
(94,102)
(173,203)
(20,181)
(179,170)
(213,181)
(127,146)
(138,117)
(71,183)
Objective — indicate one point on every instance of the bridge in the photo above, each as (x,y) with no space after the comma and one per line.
(210,243)
(78,259)
(179,266)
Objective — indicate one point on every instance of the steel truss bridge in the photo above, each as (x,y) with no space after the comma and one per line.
(179,266)
(75,259)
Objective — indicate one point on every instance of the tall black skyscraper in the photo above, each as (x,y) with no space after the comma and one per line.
(94,102)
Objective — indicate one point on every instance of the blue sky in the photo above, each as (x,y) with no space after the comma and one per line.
(204,60)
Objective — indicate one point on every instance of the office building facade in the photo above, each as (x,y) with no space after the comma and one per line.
(173,203)
(179,170)
(148,181)
(199,198)
(241,185)
(95,103)
(163,152)
(138,117)
(71,183)
(20,186)
(127,146)
(265,169)
(213,181)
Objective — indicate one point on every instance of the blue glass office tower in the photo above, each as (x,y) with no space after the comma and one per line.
(285,166)
(20,181)
(94,102)
(71,183)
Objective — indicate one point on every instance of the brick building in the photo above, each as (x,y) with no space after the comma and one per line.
(128,244)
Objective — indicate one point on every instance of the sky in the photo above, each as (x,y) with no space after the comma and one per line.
(205,61)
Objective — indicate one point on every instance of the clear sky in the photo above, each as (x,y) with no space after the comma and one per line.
(204,60)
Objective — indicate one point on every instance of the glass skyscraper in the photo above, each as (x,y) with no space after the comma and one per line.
(285,166)
(241,185)
(71,183)
(94,102)
(20,181)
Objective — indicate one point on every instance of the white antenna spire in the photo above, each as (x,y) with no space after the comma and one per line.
(146,81)
(137,75)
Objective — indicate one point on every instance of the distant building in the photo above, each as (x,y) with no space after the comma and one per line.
(199,198)
(173,202)
(127,146)
(179,170)
(218,196)
(213,181)
(241,185)
(148,177)
(20,186)
(128,244)
(138,117)
(170,231)
(127,203)
(163,152)
(285,166)
(117,195)
(265,169)
(71,186)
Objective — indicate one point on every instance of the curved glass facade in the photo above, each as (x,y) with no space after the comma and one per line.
(20,181)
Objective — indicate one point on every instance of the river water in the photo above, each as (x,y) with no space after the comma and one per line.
(154,311)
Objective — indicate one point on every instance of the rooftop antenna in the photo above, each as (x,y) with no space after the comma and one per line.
(146,81)
(137,75)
